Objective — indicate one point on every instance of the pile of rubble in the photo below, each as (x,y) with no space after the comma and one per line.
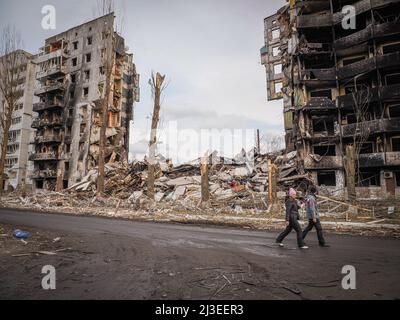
(238,183)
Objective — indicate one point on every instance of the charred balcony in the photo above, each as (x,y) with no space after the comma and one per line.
(44,174)
(368,65)
(369,33)
(51,156)
(40,123)
(371,127)
(313,162)
(379,159)
(50,87)
(52,104)
(326,19)
(384,93)
(52,138)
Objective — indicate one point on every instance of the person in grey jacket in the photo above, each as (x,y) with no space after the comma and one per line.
(313,217)
(292,216)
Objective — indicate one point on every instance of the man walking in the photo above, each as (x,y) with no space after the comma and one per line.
(292,217)
(313,217)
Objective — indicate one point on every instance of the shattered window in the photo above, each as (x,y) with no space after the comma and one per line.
(276,34)
(277,69)
(86,92)
(367,179)
(394,111)
(397,178)
(391,48)
(325,150)
(88,57)
(396,144)
(327,179)
(392,79)
(275,51)
(278,87)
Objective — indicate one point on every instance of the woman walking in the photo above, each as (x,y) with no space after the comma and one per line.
(292,217)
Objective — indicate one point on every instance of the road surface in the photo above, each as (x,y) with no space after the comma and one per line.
(117,259)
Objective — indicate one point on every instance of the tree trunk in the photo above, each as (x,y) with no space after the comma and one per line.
(4,151)
(2,162)
(350,166)
(60,176)
(205,188)
(157,83)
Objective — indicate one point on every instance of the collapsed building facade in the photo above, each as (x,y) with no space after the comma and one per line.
(17,166)
(72,72)
(341,91)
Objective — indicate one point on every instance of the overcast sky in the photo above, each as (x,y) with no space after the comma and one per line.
(208,49)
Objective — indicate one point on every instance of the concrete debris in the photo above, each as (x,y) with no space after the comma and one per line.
(241,181)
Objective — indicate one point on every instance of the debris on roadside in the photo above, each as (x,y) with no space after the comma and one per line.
(19,234)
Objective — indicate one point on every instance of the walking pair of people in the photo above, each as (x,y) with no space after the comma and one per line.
(292,216)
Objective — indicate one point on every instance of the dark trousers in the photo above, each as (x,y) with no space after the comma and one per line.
(293,224)
(318,227)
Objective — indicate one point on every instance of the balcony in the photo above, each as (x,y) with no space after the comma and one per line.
(39,123)
(55,86)
(326,20)
(43,57)
(379,159)
(44,174)
(370,32)
(384,93)
(55,71)
(392,158)
(42,106)
(319,103)
(43,156)
(325,162)
(48,139)
(368,65)
(373,126)
(314,20)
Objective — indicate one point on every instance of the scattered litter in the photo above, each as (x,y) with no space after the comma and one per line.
(19,234)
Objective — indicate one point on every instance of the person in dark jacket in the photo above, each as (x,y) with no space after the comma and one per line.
(292,217)
(313,217)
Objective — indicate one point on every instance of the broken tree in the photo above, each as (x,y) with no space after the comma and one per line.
(156,83)
(11,60)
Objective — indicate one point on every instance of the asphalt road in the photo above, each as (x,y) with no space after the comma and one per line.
(116,259)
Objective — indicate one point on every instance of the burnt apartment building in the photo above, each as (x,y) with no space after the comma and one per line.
(17,167)
(72,72)
(340,88)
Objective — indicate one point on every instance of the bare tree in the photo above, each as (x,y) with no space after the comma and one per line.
(156,83)
(11,60)
(272,143)
(107,53)
(362,131)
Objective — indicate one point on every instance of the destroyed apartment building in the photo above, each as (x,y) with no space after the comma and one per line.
(17,166)
(72,72)
(341,92)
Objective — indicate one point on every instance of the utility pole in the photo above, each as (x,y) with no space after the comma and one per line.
(156,84)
